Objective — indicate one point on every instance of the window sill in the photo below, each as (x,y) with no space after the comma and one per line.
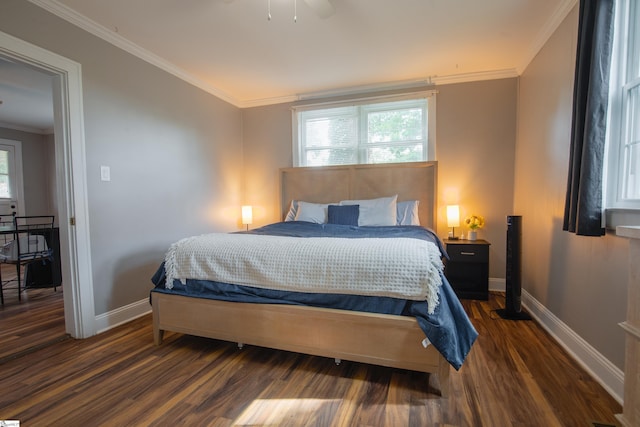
(617,217)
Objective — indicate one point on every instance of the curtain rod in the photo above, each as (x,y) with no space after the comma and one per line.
(361,100)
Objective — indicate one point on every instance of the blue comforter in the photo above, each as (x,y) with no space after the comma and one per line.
(448,328)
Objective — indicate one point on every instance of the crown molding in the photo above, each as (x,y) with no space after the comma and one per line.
(430,81)
(268,101)
(115,39)
(507,73)
(562,11)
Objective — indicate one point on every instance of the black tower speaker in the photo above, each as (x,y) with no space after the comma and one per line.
(513,300)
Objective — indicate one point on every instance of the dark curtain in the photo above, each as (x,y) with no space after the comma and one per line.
(583,207)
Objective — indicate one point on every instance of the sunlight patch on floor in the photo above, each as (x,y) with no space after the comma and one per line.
(276,411)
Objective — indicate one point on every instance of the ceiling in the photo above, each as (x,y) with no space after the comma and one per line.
(26,99)
(230,49)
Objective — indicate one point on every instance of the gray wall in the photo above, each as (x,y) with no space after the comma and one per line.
(475,148)
(37,165)
(175,154)
(581,280)
(476,132)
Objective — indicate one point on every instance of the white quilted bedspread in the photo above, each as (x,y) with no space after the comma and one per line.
(394,267)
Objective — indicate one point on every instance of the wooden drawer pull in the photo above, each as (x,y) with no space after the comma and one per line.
(468,253)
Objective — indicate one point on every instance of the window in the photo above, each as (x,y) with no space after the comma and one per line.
(11,187)
(382,131)
(623,177)
(5,187)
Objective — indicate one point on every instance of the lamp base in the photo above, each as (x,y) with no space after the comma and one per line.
(452,234)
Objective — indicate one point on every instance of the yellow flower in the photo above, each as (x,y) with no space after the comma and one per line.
(474,222)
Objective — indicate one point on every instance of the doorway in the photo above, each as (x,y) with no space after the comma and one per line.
(71,180)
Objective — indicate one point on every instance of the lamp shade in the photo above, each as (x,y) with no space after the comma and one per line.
(453,216)
(247,214)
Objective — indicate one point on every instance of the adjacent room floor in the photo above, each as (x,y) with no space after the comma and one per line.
(35,321)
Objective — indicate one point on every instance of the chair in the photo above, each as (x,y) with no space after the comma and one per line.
(28,244)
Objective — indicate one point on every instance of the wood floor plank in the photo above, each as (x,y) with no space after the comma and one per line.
(398,401)
(347,410)
(515,375)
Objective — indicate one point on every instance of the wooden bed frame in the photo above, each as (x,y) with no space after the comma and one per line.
(380,339)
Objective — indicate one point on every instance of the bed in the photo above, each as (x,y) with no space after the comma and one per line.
(391,337)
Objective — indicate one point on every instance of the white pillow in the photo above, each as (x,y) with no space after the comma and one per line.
(407,213)
(312,212)
(293,210)
(376,212)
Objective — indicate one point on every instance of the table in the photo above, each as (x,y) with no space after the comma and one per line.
(468,268)
(46,274)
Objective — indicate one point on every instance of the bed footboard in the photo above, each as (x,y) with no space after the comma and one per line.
(379,339)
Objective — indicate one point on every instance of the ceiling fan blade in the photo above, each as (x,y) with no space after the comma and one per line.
(323,8)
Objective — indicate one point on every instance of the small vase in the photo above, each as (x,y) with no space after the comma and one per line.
(473,235)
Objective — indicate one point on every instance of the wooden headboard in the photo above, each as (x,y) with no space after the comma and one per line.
(330,184)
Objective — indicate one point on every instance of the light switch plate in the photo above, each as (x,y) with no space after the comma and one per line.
(105,173)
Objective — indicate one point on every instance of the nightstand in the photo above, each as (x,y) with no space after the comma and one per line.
(468,268)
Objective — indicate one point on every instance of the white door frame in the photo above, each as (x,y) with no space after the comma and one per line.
(79,310)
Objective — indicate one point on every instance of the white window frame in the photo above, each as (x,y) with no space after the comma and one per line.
(430,141)
(620,210)
(15,176)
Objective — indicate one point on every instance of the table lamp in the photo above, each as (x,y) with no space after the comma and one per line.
(247,215)
(453,220)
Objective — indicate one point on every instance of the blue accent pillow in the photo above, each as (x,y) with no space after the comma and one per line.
(344,215)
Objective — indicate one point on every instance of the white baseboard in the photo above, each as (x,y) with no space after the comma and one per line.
(599,367)
(121,315)
(496,284)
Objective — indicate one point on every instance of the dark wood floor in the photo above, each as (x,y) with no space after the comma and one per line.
(515,375)
(35,321)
